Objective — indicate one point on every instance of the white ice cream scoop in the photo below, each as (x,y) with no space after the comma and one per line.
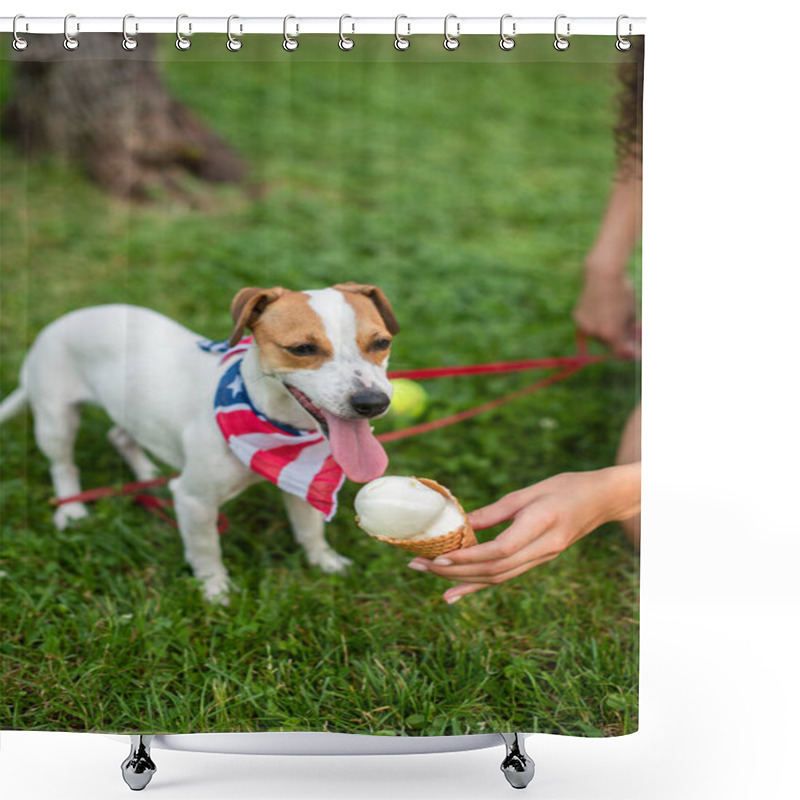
(416,514)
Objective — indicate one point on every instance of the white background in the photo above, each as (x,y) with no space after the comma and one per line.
(720,603)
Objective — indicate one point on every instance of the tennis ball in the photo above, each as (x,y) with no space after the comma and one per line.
(408,398)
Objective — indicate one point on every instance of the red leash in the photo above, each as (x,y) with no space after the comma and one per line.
(155,505)
(498,367)
(569,365)
(443,422)
(110,491)
(580,359)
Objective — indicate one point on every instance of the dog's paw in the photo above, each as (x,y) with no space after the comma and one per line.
(330,562)
(217,589)
(68,513)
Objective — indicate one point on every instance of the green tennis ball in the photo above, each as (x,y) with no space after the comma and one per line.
(409,399)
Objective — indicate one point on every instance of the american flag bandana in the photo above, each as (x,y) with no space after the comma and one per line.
(297,461)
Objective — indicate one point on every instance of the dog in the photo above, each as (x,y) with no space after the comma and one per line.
(316,367)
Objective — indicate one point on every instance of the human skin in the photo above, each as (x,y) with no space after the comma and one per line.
(546,518)
(606,308)
(549,516)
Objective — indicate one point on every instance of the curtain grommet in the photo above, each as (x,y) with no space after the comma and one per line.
(560,43)
(345,42)
(290,43)
(233,44)
(18,43)
(70,42)
(622,44)
(451,42)
(181,42)
(128,42)
(506,42)
(401,42)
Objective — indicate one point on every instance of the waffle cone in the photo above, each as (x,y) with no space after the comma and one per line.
(458,539)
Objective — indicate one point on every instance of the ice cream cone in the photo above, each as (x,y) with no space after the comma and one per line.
(461,537)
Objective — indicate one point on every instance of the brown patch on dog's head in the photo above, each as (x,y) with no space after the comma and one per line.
(378,298)
(248,305)
(375,320)
(290,335)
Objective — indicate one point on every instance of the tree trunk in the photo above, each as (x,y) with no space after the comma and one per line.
(108,111)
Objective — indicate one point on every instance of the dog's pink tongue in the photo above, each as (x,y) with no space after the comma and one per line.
(355,449)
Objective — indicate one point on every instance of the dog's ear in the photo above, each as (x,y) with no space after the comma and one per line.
(247,307)
(378,298)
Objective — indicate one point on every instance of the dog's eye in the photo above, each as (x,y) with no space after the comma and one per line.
(307,349)
(381,344)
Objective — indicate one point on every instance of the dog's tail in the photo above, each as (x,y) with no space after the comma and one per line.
(13,404)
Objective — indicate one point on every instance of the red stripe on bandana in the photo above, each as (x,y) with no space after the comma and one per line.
(327,482)
(242,421)
(271,463)
(297,461)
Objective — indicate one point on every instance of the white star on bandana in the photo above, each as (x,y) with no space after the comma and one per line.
(236,385)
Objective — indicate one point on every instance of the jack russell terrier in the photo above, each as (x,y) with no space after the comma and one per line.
(291,403)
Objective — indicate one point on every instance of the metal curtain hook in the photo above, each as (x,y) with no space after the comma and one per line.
(290,43)
(345,42)
(18,43)
(400,42)
(128,41)
(451,42)
(561,43)
(70,42)
(182,43)
(623,44)
(234,44)
(506,42)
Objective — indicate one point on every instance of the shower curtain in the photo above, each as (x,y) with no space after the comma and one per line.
(471,186)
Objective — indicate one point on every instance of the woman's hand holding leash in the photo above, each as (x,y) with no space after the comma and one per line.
(606,311)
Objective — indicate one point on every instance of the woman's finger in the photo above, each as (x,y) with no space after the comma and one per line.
(528,526)
(503,509)
(523,540)
(494,572)
(455,593)
(498,571)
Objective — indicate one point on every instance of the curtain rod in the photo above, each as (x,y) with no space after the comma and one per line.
(349,25)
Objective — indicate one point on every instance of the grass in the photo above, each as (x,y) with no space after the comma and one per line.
(468,186)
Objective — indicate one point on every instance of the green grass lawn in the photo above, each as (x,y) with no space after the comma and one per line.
(467,185)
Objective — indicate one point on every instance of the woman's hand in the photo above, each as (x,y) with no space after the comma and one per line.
(606,311)
(546,518)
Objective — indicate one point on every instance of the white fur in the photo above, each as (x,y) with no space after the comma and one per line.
(158,387)
(348,371)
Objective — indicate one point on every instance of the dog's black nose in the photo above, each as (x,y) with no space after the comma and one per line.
(369,403)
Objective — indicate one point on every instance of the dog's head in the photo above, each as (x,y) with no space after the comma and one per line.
(330,349)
